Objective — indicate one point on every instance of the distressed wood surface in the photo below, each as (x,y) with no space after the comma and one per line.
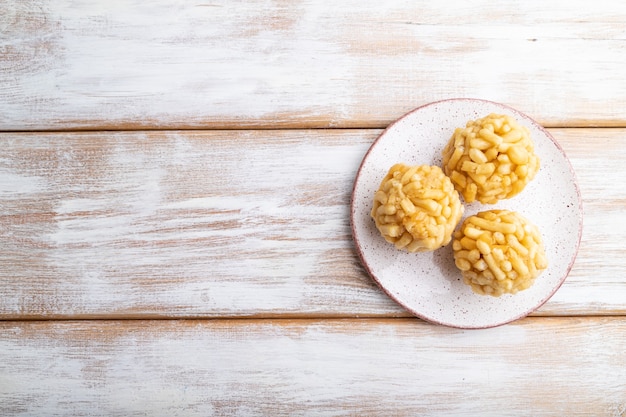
(162,64)
(236,223)
(400,367)
(152,212)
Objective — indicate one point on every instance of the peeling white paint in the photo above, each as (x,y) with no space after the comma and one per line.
(323,368)
(14,184)
(236,223)
(165,64)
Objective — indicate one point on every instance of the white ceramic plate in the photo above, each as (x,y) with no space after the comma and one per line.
(428,284)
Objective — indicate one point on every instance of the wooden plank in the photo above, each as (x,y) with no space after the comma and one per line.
(132,64)
(538,366)
(596,156)
(235,223)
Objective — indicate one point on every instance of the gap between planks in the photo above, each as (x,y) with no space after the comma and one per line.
(139,128)
(303,318)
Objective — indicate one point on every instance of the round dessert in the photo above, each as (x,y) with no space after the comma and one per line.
(499,251)
(417,208)
(491,159)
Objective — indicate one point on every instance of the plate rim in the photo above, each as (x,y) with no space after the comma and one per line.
(443,322)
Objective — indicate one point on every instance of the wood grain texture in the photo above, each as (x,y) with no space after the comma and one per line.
(161,64)
(538,367)
(235,223)
(242,234)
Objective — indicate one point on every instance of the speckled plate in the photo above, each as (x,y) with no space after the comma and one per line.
(429,284)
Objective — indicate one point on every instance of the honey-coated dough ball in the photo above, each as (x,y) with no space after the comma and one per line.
(416,208)
(498,251)
(490,159)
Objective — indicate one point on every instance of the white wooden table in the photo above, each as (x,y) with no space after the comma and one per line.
(175,183)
